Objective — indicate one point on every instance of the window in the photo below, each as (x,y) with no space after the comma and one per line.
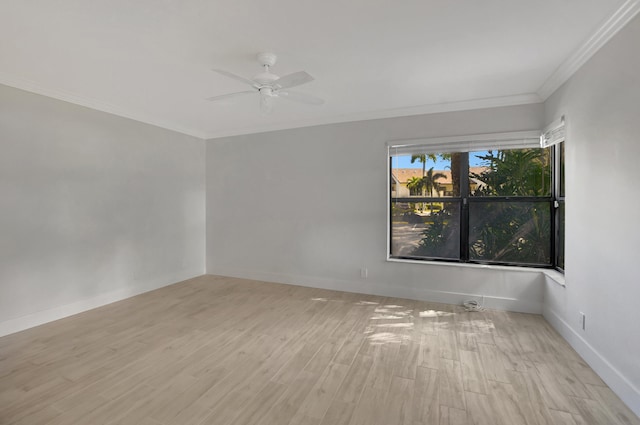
(500,204)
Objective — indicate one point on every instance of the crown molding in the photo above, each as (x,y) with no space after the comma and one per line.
(607,30)
(465,105)
(66,96)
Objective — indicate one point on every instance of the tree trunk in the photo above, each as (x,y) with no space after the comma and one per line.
(456,159)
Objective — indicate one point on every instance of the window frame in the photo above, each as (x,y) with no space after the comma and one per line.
(465,199)
(558,192)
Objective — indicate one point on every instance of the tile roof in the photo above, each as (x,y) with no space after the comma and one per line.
(405,174)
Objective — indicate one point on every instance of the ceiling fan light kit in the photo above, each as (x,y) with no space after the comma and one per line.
(270,86)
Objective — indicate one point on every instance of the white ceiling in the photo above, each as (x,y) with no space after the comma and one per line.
(151,60)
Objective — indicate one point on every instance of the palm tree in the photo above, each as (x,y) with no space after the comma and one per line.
(430,183)
(415,185)
(420,158)
(518,172)
(423,157)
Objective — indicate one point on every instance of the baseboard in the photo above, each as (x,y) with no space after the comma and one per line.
(41,317)
(385,290)
(609,374)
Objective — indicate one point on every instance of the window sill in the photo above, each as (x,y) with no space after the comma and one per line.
(554,275)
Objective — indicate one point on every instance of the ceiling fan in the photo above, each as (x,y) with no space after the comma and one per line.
(269,86)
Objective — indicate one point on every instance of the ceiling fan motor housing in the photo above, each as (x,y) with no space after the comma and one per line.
(265,78)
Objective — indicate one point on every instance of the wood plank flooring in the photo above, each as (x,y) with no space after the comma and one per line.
(215,350)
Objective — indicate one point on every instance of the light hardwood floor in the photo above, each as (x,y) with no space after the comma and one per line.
(216,350)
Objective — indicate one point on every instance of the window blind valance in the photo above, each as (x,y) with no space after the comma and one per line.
(553,134)
(469,143)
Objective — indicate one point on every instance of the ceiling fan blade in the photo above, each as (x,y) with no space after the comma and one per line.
(293,80)
(229,95)
(301,97)
(236,77)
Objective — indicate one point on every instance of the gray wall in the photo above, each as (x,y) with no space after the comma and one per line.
(602,105)
(93,208)
(308,206)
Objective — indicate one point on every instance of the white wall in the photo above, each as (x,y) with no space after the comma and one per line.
(93,208)
(308,206)
(602,106)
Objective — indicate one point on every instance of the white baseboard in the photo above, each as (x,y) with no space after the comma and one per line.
(385,290)
(41,317)
(618,383)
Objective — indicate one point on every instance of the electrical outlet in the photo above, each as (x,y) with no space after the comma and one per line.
(583,321)
(364,273)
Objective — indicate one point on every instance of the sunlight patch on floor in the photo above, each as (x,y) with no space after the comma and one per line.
(435,313)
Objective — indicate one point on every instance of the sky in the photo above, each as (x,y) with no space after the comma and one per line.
(404,161)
